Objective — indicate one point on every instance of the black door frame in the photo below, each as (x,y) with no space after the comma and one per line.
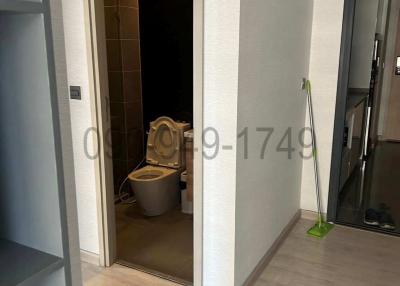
(340,112)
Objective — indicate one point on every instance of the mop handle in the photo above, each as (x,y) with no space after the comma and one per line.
(314,149)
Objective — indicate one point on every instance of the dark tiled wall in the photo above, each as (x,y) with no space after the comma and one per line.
(166,38)
(124,72)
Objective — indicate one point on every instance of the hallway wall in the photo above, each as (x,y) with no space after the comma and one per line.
(221,61)
(272,63)
(81,121)
(324,65)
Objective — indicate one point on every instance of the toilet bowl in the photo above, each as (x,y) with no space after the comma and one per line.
(156,186)
(156,189)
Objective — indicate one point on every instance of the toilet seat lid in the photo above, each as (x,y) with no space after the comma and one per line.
(163,143)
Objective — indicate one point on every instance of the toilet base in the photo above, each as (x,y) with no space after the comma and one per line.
(155,198)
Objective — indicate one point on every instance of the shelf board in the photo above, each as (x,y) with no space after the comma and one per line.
(13,6)
(21,265)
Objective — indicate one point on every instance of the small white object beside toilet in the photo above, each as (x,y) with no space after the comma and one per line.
(156,186)
(187,206)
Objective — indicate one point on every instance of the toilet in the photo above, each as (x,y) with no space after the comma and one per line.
(156,186)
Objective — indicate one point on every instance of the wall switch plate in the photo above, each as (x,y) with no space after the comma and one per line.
(303,83)
(75,92)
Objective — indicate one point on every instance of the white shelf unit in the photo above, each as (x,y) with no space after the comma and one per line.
(34,243)
(15,6)
(16,271)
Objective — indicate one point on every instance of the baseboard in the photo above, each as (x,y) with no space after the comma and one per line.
(390,140)
(89,257)
(273,249)
(311,215)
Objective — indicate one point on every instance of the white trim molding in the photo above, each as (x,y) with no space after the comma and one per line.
(89,257)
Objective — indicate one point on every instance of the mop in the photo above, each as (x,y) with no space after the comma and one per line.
(321,228)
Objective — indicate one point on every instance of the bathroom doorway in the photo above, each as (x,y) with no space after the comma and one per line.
(147,70)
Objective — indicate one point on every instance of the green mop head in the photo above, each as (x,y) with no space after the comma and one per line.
(320,229)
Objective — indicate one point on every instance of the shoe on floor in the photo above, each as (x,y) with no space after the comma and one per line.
(372,217)
(384,207)
(386,222)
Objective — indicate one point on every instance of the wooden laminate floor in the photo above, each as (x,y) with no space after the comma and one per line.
(118,275)
(346,257)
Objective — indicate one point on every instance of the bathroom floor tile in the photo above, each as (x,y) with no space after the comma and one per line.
(163,244)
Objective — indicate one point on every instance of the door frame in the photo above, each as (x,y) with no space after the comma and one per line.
(341,103)
(340,112)
(99,94)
